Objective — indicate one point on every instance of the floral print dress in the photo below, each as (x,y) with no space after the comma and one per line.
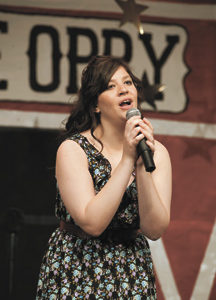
(75,268)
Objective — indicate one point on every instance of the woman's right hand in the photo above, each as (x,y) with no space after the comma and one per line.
(135,131)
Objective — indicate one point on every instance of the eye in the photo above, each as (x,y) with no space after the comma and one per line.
(129,82)
(110,86)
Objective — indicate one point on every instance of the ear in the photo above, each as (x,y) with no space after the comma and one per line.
(97,110)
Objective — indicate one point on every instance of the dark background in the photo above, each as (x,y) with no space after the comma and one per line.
(27,194)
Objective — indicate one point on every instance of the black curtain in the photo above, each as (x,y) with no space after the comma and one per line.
(28,190)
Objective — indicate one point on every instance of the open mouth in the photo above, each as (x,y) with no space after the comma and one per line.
(125,103)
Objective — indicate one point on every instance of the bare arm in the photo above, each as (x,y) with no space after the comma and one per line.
(154,193)
(91,212)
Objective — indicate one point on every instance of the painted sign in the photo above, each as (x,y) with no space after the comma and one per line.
(42,56)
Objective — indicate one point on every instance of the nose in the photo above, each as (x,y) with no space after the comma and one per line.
(123,89)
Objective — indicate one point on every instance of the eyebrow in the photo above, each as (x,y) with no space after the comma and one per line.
(124,77)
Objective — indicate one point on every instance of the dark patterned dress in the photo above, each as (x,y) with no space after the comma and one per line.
(94,268)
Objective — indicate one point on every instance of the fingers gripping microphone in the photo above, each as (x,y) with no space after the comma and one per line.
(142,148)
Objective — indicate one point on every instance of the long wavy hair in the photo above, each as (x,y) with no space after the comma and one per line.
(95,79)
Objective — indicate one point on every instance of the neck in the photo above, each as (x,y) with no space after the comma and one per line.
(111,135)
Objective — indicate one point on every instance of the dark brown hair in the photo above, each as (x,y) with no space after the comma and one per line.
(95,79)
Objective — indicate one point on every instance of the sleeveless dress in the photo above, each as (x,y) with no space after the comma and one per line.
(75,268)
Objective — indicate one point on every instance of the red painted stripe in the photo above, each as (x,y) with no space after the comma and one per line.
(60,12)
(204,2)
(213,291)
(35,106)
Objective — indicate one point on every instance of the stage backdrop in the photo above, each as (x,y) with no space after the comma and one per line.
(44,45)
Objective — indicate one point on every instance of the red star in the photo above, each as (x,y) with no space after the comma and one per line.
(131,13)
(199,147)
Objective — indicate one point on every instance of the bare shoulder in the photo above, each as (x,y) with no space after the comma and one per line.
(161,152)
(160,147)
(70,149)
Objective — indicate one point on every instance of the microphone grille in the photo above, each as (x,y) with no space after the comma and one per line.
(132,112)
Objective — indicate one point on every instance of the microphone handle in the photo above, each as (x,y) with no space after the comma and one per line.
(145,151)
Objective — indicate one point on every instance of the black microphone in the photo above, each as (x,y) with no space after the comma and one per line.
(142,148)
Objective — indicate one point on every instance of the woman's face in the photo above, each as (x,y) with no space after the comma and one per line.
(120,95)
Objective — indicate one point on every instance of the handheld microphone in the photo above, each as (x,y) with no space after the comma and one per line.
(142,148)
